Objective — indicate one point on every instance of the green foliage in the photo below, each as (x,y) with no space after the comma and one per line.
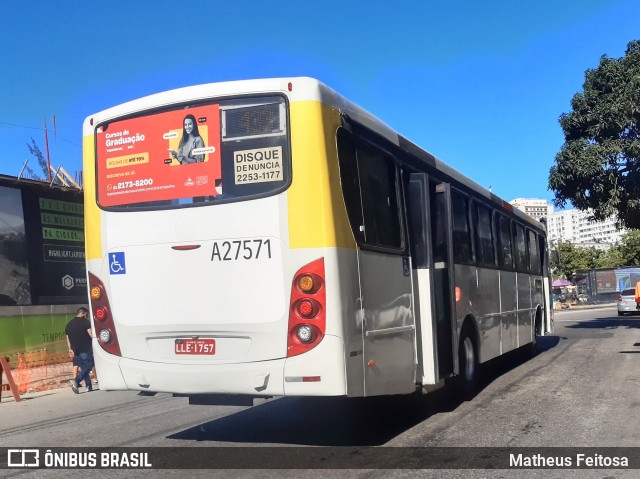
(598,167)
(611,259)
(35,151)
(629,249)
(573,258)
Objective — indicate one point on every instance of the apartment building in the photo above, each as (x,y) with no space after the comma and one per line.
(536,208)
(575,227)
(572,226)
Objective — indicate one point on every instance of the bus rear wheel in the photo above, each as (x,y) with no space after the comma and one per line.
(532,348)
(468,376)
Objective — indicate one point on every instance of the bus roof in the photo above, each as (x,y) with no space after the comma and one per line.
(298,89)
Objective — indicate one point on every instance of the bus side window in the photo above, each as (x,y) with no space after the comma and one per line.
(506,248)
(534,253)
(544,260)
(461,228)
(484,235)
(439,225)
(350,183)
(379,189)
(521,249)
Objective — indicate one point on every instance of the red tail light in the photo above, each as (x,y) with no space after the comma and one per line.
(619,298)
(100,313)
(307,311)
(105,328)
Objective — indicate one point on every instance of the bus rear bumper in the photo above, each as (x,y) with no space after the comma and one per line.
(319,372)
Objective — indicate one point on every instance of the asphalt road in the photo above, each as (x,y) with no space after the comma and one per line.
(582,389)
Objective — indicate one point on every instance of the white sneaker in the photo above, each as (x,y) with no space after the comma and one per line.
(74,386)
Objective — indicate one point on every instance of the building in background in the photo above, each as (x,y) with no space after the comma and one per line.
(534,207)
(575,227)
(42,270)
(572,226)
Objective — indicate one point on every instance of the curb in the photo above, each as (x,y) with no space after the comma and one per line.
(587,306)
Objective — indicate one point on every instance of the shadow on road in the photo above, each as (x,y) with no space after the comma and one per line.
(602,328)
(331,421)
(545,343)
(340,421)
(613,322)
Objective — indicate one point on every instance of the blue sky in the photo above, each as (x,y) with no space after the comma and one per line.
(478,84)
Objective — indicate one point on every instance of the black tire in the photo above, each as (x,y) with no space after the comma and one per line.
(469,367)
(147,393)
(620,314)
(532,348)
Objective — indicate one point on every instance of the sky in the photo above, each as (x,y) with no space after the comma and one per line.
(480,85)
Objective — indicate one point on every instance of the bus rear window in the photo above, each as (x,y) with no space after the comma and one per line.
(220,151)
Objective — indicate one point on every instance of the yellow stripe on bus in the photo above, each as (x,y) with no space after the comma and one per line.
(92,221)
(317,215)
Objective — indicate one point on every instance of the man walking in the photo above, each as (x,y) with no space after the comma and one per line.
(78,332)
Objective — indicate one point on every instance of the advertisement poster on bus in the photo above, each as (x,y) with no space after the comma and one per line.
(165,156)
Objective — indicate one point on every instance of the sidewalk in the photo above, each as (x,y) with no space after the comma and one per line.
(39,379)
(587,306)
(33,393)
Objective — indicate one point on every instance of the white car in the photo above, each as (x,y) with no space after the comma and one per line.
(627,302)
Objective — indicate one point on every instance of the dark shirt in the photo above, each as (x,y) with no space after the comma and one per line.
(80,340)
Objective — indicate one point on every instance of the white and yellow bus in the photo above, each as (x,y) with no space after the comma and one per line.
(269,238)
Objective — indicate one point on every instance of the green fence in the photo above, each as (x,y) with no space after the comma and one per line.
(33,328)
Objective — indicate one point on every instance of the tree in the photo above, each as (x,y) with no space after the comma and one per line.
(629,248)
(35,151)
(598,167)
(612,258)
(574,258)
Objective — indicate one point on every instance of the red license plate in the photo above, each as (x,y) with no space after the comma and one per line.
(196,346)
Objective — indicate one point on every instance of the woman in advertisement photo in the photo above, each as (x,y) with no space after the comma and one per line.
(190,140)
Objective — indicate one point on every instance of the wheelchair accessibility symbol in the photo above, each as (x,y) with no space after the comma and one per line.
(116,263)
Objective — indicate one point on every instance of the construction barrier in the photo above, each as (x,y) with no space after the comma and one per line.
(40,370)
(5,370)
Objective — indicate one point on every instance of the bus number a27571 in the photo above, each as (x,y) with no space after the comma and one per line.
(241,249)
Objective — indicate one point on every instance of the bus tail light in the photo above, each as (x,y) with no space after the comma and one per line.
(100,313)
(307,311)
(305,333)
(96,292)
(105,328)
(458,291)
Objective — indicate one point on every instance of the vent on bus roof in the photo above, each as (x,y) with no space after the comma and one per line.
(252,121)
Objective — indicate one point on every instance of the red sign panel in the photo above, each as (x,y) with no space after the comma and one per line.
(195,346)
(164,156)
